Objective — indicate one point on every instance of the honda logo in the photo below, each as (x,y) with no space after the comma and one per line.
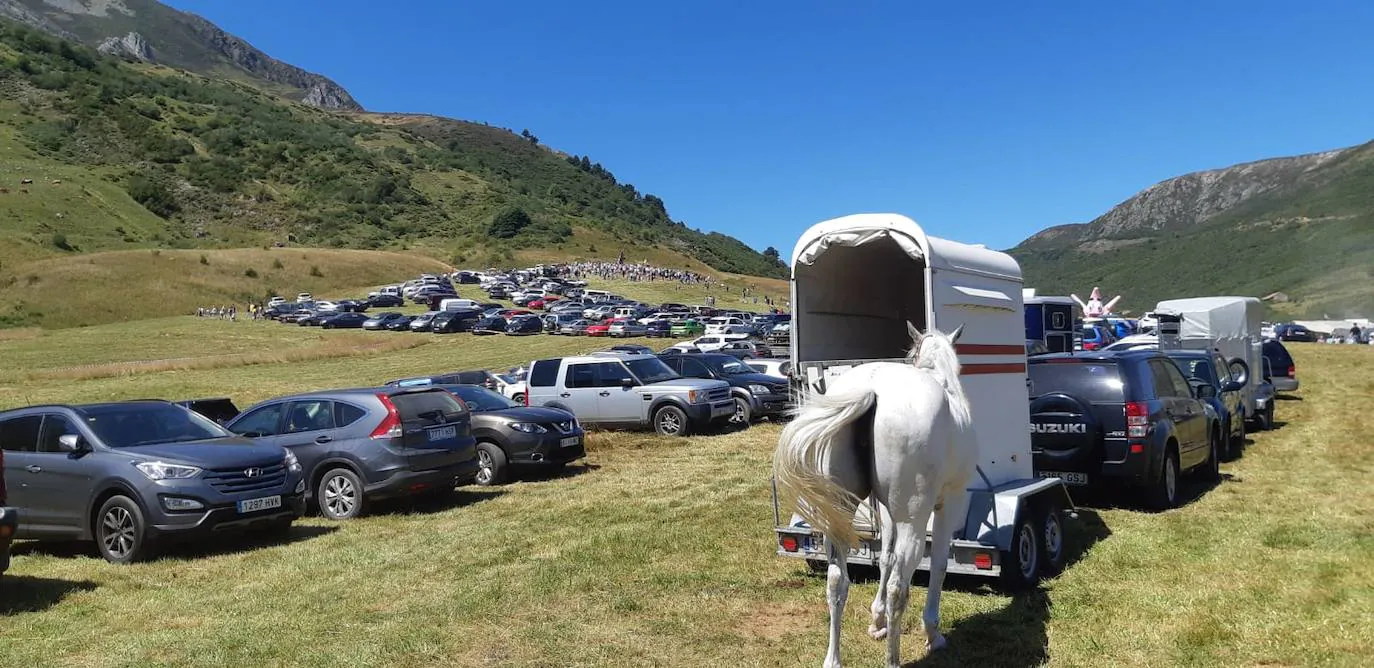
(1059,428)
(252,473)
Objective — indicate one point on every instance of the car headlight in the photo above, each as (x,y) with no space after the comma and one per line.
(760,389)
(528,427)
(165,471)
(292,464)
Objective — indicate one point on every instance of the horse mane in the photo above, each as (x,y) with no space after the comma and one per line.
(935,353)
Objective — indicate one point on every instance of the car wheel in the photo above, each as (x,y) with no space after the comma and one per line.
(1235,442)
(1210,470)
(1052,538)
(491,464)
(1163,494)
(518,397)
(742,412)
(121,531)
(339,494)
(671,421)
(1021,564)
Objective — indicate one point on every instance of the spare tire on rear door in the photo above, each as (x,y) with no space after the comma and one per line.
(1066,437)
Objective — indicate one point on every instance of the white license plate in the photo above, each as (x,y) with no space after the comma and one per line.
(264,503)
(723,410)
(443,434)
(569,442)
(1069,477)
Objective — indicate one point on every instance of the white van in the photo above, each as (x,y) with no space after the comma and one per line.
(714,342)
(457,304)
(726,326)
(596,294)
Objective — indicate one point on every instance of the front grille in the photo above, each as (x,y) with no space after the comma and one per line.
(565,426)
(718,395)
(237,480)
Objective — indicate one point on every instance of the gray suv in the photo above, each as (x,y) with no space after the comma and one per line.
(361,445)
(129,474)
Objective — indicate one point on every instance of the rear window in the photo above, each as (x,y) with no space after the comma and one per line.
(544,373)
(438,406)
(1092,382)
(1277,354)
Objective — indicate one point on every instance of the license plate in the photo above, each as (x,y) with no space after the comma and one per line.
(1069,477)
(443,434)
(569,442)
(723,410)
(264,503)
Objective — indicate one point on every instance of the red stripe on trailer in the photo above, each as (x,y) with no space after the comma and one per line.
(984,369)
(988,349)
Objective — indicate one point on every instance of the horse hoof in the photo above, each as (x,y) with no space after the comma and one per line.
(935,642)
(877,633)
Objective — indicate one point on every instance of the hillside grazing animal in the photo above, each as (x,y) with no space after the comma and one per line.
(914,462)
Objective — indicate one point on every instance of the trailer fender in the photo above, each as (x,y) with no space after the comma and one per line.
(993,513)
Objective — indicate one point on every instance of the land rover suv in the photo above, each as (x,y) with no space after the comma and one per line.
(130,474)
(1120,417)
(629,390)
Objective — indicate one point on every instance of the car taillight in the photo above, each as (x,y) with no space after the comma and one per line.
(1137,416)
(789,543)
(391,424)
(1292,371)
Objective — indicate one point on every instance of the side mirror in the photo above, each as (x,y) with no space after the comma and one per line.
(1232,386)
(70,443)
(627,382)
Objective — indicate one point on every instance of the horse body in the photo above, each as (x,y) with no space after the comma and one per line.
(901,434)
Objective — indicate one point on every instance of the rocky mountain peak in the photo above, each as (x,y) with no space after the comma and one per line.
(131,45)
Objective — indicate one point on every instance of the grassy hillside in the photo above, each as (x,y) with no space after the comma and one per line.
(1311,237)
(154,157)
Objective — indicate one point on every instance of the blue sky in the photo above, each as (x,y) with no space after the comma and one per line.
(985,122)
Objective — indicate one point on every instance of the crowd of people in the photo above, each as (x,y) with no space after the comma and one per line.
(230,312)
(641,271)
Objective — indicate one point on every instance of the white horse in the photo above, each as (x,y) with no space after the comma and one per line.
(915,460)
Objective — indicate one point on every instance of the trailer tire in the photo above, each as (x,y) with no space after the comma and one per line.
(1053,554)
(1021,564)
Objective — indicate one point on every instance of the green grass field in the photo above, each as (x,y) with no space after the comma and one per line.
(660,552)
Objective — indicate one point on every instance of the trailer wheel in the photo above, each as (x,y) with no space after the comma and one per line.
(1021,564)
(1052,539)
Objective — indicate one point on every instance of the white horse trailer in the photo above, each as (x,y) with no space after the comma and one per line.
(856,282)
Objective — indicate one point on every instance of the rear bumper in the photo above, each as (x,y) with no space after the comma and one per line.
(9,524)
(404,483)
(1117,463)
(1285,384)
(221,519)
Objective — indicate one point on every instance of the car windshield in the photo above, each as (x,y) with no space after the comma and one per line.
(728,366)
(128,425)
(651,370)
(481,399)
(1195,368)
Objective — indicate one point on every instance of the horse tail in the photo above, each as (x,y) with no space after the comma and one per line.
(805,445)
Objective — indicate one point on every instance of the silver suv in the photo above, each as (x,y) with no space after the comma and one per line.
(629,390)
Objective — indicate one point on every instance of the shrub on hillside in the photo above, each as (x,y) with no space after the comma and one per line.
(60,240)
(153,195)
(204,260)
(508,223)
(315,271)
(276,264)
(250,272)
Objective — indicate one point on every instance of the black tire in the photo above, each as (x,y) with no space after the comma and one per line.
(1021,564)
(519,398)
(121,532)
(339,494)
(492,468)
(1210,470)
(1235,442)
(671,421)
(1053,555)
(743,414)
(1163,493)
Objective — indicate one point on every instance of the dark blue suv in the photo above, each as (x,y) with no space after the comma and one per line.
(129,474)
(1114,417)
(1210,377)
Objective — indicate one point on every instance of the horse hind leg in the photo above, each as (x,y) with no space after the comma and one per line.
(836,593)
(907,545)
(878,629)
(950,512)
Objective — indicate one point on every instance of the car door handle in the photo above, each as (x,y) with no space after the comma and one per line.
(32,468)
(604,393)
(565,394)
(323,439)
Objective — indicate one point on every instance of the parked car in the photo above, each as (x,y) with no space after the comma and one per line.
(510,434)
(449,322)
(348,320)
(351,305)
(688,327)
(602,328)
(313,318)
(1211,379)
(745,349)
(380,321)
(219,409)
(658,329)
(1279,366)
(1117,417)
(575,328)
(401,324)
(631,348)
(775,366)
(494,324)
(713,342)
(9,521)
(525,325)
(1097,336)
(361,445)
(506,384)
(755,394)
(626,327)
(386,301)
(1291,332)
(130,475)
(629,390)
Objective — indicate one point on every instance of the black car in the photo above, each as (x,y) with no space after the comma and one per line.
(524,324)
(9,520)
(1294,333)
(1279,367)
(498,292)
(276,312)
(756,395)
(350,320)
(423,322)
(314,318)
(385,301)
(449,322)
(401,324)
(1212,382)
(466,278)
(352,305)
(510,435)
(493,324)
(1122,416)
(381,320)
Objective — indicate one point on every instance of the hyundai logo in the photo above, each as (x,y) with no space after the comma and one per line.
(252,473)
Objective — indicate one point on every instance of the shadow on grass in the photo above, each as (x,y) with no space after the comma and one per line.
(25,593)
(1012,636)
(1287,397)
(248,541)
(1190,489)
(425,504)
(554,472)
